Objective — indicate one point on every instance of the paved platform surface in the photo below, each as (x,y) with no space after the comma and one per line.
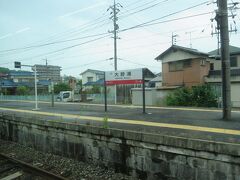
(200,123)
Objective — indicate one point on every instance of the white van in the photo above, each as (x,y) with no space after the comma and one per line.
(68,96)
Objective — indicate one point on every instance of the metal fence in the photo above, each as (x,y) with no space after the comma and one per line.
(25,97)
(91,98)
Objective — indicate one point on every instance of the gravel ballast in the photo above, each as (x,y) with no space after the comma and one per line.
(66,167)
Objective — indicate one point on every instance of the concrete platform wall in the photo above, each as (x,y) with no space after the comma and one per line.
(145,156)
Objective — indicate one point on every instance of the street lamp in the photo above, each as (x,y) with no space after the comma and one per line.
(19,65)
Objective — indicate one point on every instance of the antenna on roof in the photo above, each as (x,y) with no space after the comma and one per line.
(190,37)
(174,38)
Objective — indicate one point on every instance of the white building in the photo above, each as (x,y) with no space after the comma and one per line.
(49,72)
(92,77)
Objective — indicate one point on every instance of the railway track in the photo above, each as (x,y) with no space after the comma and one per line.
(11,168)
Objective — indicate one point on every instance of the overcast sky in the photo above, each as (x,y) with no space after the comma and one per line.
(42,25)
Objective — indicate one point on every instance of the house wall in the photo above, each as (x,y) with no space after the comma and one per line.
(153,96)
(150,97)
(90,74)
(235,94)
(218,63)
(235,86)
(238,57)
(189,76)
(177,55)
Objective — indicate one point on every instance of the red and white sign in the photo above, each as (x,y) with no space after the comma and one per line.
(132,76)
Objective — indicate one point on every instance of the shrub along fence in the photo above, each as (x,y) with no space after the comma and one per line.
(200,96)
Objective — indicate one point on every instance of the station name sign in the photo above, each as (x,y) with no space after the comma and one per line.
(131,76)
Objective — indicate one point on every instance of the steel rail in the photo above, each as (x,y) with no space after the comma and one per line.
(32,169)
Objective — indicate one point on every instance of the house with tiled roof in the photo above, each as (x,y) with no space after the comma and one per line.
(13,79)
(189,67)
(183,66)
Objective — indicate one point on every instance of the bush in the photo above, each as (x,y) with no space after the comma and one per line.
(94,90)
(204,96)
(61,87)
(22,90)
(200,96)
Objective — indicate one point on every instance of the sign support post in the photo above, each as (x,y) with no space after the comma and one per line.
(18,64)
(52,93)
(35,87)
(123,77)
(143,91)
(105,92)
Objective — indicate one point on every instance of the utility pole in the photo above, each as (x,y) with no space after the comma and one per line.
(222,20)
(113,13)
(51,86)
(115,35)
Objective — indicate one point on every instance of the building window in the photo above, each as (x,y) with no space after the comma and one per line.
(90,79)
(203,62)
(187,63)
(176,66)
(233,61)
(211,66)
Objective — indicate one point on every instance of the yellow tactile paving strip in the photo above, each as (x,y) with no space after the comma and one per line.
(129,106)
(131,122)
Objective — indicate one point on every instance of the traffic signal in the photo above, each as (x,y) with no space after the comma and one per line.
(17,64)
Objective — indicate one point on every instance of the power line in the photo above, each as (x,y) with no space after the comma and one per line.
(92,27)
(74,29)
(62,49)
(170,20)
(135,2)
(26,50)
(51,43)
(166,32)
(174,13)
(77,66)
(144,9)
(140,6)
(91,23)
(137,26)
(41,45)
(144,65)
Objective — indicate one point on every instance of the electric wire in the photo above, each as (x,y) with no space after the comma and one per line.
(171,14)
(141,10)
(51,43)
(137,26)
(166,21)
(62,49)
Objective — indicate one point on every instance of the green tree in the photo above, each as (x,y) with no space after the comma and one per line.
(61,87)
(79,82)
(4,70)
(22,90)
